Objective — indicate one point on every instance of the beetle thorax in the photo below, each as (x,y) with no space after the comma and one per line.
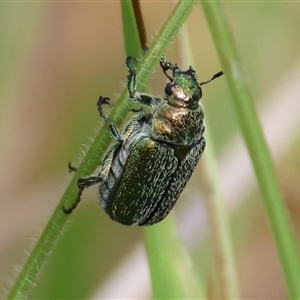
(177,125)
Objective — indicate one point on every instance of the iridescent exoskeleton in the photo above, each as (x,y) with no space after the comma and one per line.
(143,174)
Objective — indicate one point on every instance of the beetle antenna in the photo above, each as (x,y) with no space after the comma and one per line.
(214,77)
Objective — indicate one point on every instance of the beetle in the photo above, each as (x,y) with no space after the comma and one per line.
(143,174)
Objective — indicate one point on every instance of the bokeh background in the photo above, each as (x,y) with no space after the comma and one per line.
(56,58)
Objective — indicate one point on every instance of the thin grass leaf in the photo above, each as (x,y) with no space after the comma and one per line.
(172,271)
(52,232)
(257,147)
(225,270)
(130,30)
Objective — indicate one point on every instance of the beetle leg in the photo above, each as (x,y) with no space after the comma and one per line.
(85,182)
(131,77)
(133,93)
(112,128)
(68,210)
(82,184)
(71,168)
(166,65)
(136,110)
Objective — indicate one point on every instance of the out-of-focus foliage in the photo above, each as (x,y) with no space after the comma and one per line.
(55,61)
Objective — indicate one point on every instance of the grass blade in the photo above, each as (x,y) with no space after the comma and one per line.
(48,239)
(257,147)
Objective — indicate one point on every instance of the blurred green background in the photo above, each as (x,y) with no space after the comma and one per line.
(55,61)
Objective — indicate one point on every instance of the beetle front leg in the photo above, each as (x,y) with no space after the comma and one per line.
(133,93)
(166,65)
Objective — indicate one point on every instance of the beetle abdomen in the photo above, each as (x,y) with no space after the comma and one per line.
(142,184)
(179,179)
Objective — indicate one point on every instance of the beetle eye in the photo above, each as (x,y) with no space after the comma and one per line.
(170,88)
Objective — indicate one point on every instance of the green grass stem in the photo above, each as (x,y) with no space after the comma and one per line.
(52,232)
(172,271)
(257,147)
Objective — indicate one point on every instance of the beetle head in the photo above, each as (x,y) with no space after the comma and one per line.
(183,88)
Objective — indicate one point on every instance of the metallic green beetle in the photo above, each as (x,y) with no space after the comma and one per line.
(144,172)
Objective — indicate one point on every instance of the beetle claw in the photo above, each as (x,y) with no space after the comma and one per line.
(103,100)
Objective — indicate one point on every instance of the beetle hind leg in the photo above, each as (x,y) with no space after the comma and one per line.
(71,168)
(85,182)
(82,184)
(69,210)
